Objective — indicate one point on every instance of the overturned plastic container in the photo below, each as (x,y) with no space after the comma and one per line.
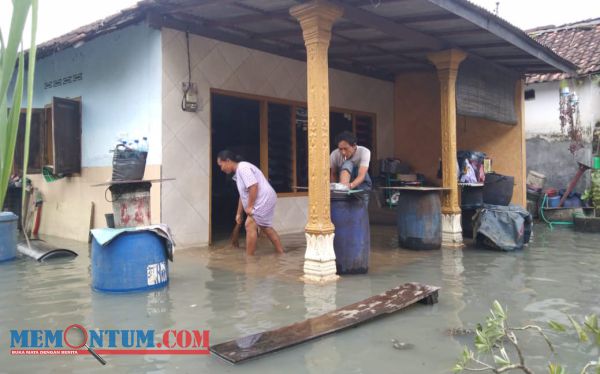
(132,261)
(41,251)
(352,240)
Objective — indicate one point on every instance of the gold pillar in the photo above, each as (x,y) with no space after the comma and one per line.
(447,63)
(316,19)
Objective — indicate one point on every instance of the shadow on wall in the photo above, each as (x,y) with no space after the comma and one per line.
(553,159)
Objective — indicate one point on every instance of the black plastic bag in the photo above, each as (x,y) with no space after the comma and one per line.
(128,164)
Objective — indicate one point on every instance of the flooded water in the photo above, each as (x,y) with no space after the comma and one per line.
(221,290)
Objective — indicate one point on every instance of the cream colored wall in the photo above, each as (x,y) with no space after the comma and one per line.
(418,139)
(67,202)
(186,136)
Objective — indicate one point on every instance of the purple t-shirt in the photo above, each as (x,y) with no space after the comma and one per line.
(248,175)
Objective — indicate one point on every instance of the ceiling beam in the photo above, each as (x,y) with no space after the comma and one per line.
(159,21)
(505,31)
(386,26)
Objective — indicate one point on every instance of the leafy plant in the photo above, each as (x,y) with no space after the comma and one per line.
(495,339)
(12,69)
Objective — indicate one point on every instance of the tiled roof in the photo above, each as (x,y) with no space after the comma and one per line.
(578,42)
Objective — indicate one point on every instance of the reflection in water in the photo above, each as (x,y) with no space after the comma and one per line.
(222,290)
(452,273)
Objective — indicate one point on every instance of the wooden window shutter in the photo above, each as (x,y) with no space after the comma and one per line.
(36,142)
(66,132)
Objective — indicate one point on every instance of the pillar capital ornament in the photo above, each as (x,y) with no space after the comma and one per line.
(316,19)
(447,60)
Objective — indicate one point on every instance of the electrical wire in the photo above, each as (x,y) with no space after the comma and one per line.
(189,85)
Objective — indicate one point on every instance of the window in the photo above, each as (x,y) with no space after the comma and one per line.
(529,94)
(284,137)
(55,138)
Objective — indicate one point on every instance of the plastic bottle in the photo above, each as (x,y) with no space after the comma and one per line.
(144,146)
(136,145)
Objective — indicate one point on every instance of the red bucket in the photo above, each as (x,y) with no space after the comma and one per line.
(551,192)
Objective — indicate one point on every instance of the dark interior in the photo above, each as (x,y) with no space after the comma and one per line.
(235,126)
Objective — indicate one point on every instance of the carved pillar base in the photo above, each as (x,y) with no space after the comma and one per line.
(319,260)
(451,230)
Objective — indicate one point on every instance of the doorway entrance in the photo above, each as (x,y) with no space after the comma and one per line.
(235,125)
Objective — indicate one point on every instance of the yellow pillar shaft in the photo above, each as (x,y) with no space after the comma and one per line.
(447,63)
(447,79)
(316,19)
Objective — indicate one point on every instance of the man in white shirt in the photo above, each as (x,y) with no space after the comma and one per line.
(349,163)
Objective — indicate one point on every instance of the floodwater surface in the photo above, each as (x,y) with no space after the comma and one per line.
(221,290)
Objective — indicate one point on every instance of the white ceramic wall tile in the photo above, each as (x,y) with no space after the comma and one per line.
(186,136)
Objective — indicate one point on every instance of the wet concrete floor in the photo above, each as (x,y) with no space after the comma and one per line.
(220,289)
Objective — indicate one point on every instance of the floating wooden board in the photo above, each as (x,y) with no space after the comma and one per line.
(252,346)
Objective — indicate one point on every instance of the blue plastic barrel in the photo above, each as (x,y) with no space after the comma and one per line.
(419,220)
(132,261)
(8,236)
(352,240)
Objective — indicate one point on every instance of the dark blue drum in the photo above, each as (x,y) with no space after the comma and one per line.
(352,241)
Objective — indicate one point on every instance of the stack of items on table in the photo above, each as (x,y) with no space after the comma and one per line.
(397,173)
(130,199)
(131,254)
(487,215)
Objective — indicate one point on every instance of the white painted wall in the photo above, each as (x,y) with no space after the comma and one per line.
(186,136)
(548,149)
(542,113)
(120,90)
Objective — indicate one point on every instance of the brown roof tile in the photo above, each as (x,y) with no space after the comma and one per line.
(578,42)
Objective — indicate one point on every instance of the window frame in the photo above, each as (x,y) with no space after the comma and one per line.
(294,104)
(47,143)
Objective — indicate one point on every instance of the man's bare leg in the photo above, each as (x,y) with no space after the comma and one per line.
(274,238)
(251,236)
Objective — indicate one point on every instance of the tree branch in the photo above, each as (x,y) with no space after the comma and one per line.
(539,330)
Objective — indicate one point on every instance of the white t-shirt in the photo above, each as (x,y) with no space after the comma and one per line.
(361,157)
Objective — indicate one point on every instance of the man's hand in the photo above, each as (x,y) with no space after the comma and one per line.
(238,219)
(249,211)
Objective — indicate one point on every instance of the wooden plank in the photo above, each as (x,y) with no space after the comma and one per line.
(110,183)
(252,346)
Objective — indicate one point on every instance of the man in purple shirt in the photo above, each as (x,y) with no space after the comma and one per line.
(257,199)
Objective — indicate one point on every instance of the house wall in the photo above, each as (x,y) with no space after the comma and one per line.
(418,133)
(548,149)
(120,94)
(186,136)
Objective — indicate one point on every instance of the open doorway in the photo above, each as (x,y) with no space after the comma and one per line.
(235,125)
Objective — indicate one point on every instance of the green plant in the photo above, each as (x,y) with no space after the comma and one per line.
(12,61)
(498,350)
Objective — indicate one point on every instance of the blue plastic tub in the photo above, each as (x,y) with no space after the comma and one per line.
(553,201)
(352,240)
(8,236)
(133,261)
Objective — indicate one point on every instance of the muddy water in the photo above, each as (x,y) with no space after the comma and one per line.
(221,290)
